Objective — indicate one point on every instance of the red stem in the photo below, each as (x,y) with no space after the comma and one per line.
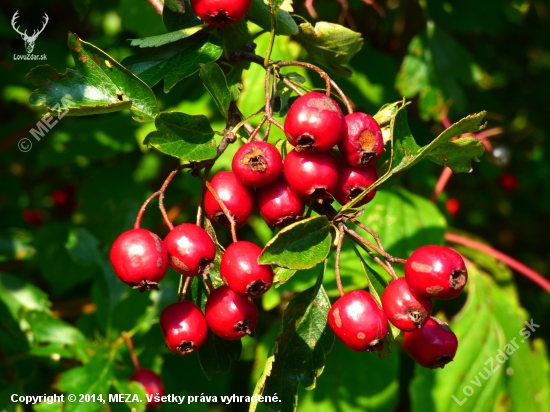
(511,262)
(131,351)
(442,182)
(142,209)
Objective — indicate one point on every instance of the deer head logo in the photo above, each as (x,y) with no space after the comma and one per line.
(29,40)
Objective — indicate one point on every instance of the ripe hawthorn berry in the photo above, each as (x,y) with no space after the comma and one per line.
(278,204)
(314,122)
(152,383)
(237,198)
(312,175)
(358,321)
(436,272)
(433,345)
(184,327)
(191,249)
(363,143)
(242,272)
(230,316)
(353,181)
(257,164)
(220,12)
(406,310)
(139,259)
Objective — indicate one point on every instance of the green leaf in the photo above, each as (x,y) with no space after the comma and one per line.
(83,246)
(174,62)
(177,6)
(214,81)
(281,275)
(260,14)
(20,296)
(175,20)
(301,245)
(275,5)
(494,358)
(16,244)
(132,388)
(298,355)
(217,354)
(330,45)
(189,138)
(47,329)
(94,378)
(99,85)
(162,39)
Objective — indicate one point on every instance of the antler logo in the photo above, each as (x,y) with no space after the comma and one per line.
(29,40)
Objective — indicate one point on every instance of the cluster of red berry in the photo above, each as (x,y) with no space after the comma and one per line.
(430,272)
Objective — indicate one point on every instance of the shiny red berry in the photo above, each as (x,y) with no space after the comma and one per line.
(191,249)
(278,204)
(312,175)
(314,122)
(433,345)
(358,321)
(436,272)
(257,164)
(405,309)
(152,383)
(237,198)
(363,144)
(230,316)
(241,271)
(452,205)
(353,181)
(220,12)
(139,259)
(184,327)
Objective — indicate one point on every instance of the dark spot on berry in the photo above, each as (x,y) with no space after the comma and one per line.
(244,326)
(221,219)
(458,278)
(257,287)
(417,317)
(186,347)
(205,265)
(220,18)
(376,344)
(441,361)
(305,142)
(366,157)
(255,160)
(145,285)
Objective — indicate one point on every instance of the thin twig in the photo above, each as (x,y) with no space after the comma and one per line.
(224,210)
(372,246)
(376,238)
(383,265)
(161,196)
(183,286)
(158,5)
(130,345)
(208,282)
(341,234)
(142,209)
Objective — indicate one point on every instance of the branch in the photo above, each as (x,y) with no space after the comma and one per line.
(511,262)
(158,5)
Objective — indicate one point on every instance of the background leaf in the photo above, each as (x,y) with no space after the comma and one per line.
(214,81)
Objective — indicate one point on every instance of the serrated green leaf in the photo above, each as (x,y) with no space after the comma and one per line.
(189,138)
(174,62)
(330,45)
(99,85)
(260,14)
(215,83)
(298,355)
(162,39)
(301,245)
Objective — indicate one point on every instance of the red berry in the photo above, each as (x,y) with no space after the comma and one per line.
(241,271)
(34,217)
(314,122)
(230,316)
(433,345)
(353,181)
(191,249)
(220,12)
(363,143)
(358,321)
(312,176)
(406,310)
(63,200)
(237,198)
(152,384)
(257,164)
(436,272)
(139,259)
(184,327)
(452,205)
(278,204)
(509,181)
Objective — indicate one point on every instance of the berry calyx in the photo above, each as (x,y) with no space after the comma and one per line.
(184,327)
(358,321)
(353,181)
(363,143)
(191,249)
(139,259)
(433,345)
(257,164)
(314,122)
(220,12)
(406,310)
(278,204)
(242,272)
(312,176)
(230,316)
(237,198)
(436,272)
(152,383)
